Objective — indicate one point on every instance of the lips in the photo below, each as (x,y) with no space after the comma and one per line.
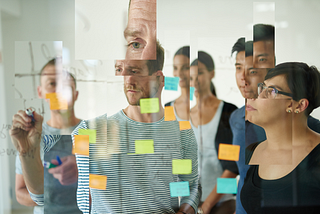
(250,108)
(132,91)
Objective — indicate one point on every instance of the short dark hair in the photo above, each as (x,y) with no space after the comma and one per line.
(204,58)
(242,45)
(156,65)
(263,32)
(249,48)
(303,81)
(53,62)
(238,46)
(185,51)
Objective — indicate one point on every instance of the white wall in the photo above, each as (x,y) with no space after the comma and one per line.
(212,26)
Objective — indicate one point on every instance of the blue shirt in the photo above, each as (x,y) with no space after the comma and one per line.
(244,134)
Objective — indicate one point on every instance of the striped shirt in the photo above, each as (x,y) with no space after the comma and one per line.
(136,183)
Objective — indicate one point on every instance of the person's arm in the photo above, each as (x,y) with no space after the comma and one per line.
(26,137)
(189,204)
(186,209)
(215,197)
(22,194)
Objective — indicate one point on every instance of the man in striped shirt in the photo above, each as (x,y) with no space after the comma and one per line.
(138,182)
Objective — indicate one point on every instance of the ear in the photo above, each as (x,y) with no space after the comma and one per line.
(289,107)
(160,74)
(76,95)
(212,73)
(39,91)
(302,105)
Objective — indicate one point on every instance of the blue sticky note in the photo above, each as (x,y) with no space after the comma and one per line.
(179,189)
(191,93)
(171,83)
(227,185)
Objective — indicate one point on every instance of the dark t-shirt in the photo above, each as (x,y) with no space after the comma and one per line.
(297,192)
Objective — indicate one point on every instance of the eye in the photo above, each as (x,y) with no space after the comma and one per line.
(186,68)
(52,84)
(262,59)
(135,45)
(271,92)
(118,70)
(253,72)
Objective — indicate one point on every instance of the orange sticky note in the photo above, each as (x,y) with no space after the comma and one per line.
(184,125)
(81,145)
(97,181)
(228,152)
(169,113)
(57,102)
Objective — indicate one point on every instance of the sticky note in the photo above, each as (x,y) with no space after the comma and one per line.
(191,93)
(228,152)
(149,105)
(227,185)
(169,113)
(144,146)
(81,145)
(184,125)
(181,166)
(91,132)
(171,83)
(57,101)
(97,181)
(179,189)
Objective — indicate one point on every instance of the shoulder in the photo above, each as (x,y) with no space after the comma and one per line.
(169,103)
(89,124)
(228,107)
(249,151)
(314,124)
(238,114)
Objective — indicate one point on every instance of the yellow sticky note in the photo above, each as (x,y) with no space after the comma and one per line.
(181,166)
(149,105)
(97,181)
(91,132)
(81,145)
(169,113)
(144,146)
(184,125)
(228,152)
(57,102)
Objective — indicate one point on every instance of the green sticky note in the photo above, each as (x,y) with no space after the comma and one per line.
(144,146)
(227,185)
(181,166)
(149,105)
(91,132)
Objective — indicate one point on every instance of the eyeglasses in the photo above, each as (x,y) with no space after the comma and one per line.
(270,91)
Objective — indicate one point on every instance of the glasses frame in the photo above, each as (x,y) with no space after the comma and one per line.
(263,86)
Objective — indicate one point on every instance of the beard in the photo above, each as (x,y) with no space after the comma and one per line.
(148,91)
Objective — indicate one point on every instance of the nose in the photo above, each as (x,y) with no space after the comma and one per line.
(149,52)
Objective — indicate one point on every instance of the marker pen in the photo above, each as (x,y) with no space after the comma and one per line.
(29,112)
(48,165)
(59,160)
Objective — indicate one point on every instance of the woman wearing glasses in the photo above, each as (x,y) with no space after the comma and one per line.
(284,176)
(210,123)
